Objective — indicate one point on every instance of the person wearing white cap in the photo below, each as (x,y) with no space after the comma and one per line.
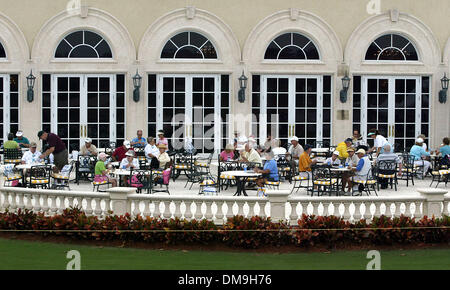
(362,169)
(295,150)
(88,148)
(21,140)
(129,161)
(162,140)
(119,153)
(334,159)
(419,153)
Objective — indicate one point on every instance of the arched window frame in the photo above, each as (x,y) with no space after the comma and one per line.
(393,47)
(306,60)
(93,59)
(203,59)
(2,48)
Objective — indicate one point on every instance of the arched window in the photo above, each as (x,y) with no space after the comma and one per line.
(189,45)
(83,44)
(2,51)
(292,46)
(392,47)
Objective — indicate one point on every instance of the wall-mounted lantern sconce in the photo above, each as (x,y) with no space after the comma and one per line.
(443,92)
(243,85)
(30,83)
(345,86)
(137,81)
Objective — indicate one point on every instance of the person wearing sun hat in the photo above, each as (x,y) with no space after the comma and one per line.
(351,162)
(119,153)
(419,153)
(334,159)
(129,161)
(88,148)
(228,153)
(21,140)
(162,140)
(101,173)
(31,156)
(163,158)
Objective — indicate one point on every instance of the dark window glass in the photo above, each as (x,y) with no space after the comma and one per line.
(291,46)
(188,52)
(189,45)
(2,51)
(392,47)
(152,83)
(291,52)
(83,44)
(92,38)
(83,51)
(391,54)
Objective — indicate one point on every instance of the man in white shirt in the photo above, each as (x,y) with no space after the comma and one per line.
(251,155)
(151,150)
(129,162)
(31,156)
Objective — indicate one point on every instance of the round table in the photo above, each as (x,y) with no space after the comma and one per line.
(340,171)
(241,178)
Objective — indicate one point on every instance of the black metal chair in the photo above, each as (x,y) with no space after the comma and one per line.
(85,167)
(323,181)
(386,169)
(39,176)
(369,182)
(182,163)
(12,156)
(61,180)
(408,168)
(284,167)
(141,179)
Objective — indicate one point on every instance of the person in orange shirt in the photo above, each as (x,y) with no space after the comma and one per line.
(305,162)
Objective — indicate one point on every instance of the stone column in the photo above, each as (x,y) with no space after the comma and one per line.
(435,198)
(120,204)
(278,199)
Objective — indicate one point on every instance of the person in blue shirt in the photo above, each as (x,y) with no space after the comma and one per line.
(269,172)
(139,141)
(21,140)
(418,152)
(445,149)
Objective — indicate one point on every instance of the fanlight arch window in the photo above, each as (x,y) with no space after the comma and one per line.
(392,47)
(189,45)
(292,46)
(83,44)
(2,51)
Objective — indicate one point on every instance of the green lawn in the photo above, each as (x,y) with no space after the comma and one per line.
(17,254)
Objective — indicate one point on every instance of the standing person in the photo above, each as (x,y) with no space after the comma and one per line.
(88,148)
(56,147)
(387,155)
(418,153)
(162,140)
(139,141)
(21,140)
(11,144)
(305,162)
(119,153)
(294,152)
(101,173)
(32,155)
(379,142)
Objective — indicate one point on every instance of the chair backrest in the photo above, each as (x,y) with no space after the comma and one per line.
(389,165)
(12,154)
(40,172)
(320,173)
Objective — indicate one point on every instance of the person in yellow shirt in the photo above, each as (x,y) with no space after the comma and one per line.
(342,148)
(305,162)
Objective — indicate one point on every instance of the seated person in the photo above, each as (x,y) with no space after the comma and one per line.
(119,153)
(361,170)
(151,151)
(445,147)
(305,162)
(269,172)
(342,148)
(351,161)
(129,162)
(163,158)
(228,153)
(387,155)
(276,149)
(21,140)
(251,155)
(11,144)
(418,153)
(139,141)
(334,159)
(31,156)
(88,148)
(295,150)
(101,173)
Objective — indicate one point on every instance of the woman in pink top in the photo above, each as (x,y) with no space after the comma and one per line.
(161,140)
(228,153)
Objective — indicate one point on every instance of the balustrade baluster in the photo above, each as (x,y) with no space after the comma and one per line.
(198,210)
(98,209)
(208,213)
(188,212)
(146,209)
(89,210)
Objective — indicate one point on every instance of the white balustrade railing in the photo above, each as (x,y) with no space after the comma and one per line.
(279,205)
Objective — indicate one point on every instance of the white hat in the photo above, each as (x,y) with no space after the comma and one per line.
(294,138)
(126,143)
(19,133)
(361,151)
(130,153)
(419,140)
(88,140)
(336,153)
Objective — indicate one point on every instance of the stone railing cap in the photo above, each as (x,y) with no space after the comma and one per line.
(121,189)
(432,190)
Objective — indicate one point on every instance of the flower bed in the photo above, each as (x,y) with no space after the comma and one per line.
(238,232)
